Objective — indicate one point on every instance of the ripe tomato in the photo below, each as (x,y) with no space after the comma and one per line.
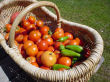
(38,41)
(32,19)
(25,38)
(38,57)
(69,35)
(35,64)
(48,58)
(17,30)
(20,47)
(28,43)
(43,45)
(65,61)
(31,59)
(74,42)
(50,41)
(44,67)
(59,30)
(32,50)
(57,45)
(50,48)
(44,30)
(58,35)
(23,31)
(46,36)
(78,40)
(66,42)
(6,36)
(31,27)
(34,35)
(39,23)
(19,38)
(8,27)
(57,53)
(26,23)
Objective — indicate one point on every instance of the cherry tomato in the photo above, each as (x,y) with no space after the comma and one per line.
(44,30)
(34,35)
(31,59)
(58,35)
(66,42)
(50,48)
(57,45)
(48,58)
(69,35)
(23,31)
(46,36)
(8,27)
(6,36)
(19,38)
(38,41)
(57,53)
(38,57)
(44,67)
(31,27)
(26,23)
(35,64)
(65,61)
(78,40)
(28,43)
(43,45)
(32,19)
(50,41)
(74,42)
(25,38)
(32,50)
(59,30)
(39,23)
(20,47)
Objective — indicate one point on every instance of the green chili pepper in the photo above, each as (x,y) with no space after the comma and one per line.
(75,48)
(58,66)
(62,47)
(67,52)
(62,39)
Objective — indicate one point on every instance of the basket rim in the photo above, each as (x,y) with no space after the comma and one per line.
(34,71)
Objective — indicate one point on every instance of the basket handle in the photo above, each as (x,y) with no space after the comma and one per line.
(28,9)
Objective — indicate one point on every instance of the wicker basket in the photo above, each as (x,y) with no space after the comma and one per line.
(81,72)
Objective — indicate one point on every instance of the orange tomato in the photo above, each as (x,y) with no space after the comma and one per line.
(44,67)
(66,42)
(65,61)
(6,36)
(57,35)
(31,27)
(38,41)
(28,43)
(38,56)
(39,23)
(69,35)
(35,64)
(57,45)
(48,58)
(32,19)
(59,30)
(50,48)
(44,30)
(57,53)
(19,38)
(46,36)
(34,35)
(26,23)
(50,41)
(32,50)
(78,40)
(74,42)
(31,59)
(8,27)
(23,31)
(43,45)
(25,38)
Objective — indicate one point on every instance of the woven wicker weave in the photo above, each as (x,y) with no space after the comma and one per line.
(82,72)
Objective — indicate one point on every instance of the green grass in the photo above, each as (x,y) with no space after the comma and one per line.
(96,14)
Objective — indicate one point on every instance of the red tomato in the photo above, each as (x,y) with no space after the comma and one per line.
(17,30)
(57,53)
(8,27)
(39,23)
(50,41)
(44,30)
(26,23)
(31,27)
(25,38)
(50,48)
(57,45)
(46,36)
(32,19)
(43,45)
(38,57)
(31,59)
(44,67)
(34,35)
(28,43)
(65,61)
(66,42)
(69,35)
(35,64)
(59,30)
(23,31)
(74,42)
(20,47)
(78,40)
(38,41)
(58,35)
(19,38)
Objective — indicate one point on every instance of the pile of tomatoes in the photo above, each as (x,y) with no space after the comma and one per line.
(39,46)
